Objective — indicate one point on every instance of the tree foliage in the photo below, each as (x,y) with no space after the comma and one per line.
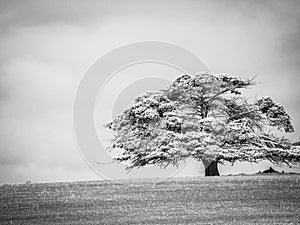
(204,117)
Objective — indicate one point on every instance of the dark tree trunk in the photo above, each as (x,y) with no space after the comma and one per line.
(211,168)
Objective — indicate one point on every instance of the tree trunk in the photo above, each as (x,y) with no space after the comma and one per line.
(211,168)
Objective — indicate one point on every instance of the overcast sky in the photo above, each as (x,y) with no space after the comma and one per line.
(46,46)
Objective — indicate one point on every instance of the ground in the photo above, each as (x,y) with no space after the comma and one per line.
(260,199)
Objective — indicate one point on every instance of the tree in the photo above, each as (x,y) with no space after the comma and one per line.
(206,118)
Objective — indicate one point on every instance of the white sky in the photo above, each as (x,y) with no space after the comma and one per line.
(45,48)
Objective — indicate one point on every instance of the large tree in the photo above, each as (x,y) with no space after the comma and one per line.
(206,118)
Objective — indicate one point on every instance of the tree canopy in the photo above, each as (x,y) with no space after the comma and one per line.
(203,116)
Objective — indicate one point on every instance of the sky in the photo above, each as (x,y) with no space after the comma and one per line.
(47,46)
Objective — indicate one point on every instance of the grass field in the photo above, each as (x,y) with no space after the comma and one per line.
(265,199)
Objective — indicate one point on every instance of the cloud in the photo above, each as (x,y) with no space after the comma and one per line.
(46,47)
(35,173)
(36,121)
(28,13)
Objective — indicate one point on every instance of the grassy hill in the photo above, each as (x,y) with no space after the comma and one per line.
(268,199)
